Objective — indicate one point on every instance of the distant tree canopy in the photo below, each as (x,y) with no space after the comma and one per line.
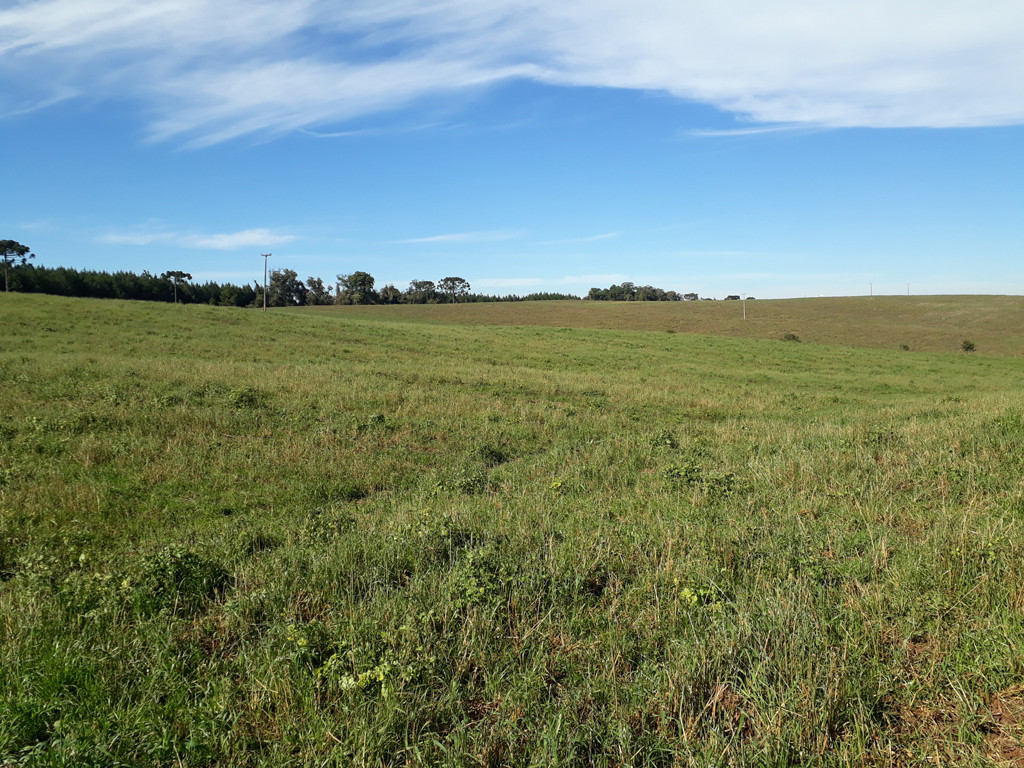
(390,295)
(14,255)
(356,288)
(284,289)
(420,292)
(175,276)
(66,281)
(453,287)
(317,292)
(630,292)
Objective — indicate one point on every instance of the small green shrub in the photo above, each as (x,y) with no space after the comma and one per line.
(967,345)
(790,336)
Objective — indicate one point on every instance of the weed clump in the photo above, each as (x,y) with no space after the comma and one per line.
(664,439)
(322,526)
(375,422)
(790,336)
(469,482)
(244,398)
(493,455)
(175,579)
(691,473)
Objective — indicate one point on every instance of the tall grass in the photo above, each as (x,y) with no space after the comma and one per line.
(236,538)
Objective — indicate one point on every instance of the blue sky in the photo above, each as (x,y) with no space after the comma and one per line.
(792,148)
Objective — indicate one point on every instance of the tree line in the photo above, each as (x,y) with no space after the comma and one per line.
(284,287)
(630,292)
(87,283)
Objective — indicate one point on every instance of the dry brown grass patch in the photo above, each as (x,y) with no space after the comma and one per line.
(1005,739)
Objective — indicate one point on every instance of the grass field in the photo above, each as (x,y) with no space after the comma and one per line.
(235,538)
(923,323)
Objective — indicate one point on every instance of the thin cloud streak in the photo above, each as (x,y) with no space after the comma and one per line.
(43,104)
(136,238)
(233,240)
(589,239)
(753,131)
(465,237)
(216,70)
(219,242)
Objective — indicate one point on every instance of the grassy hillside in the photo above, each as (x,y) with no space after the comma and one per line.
(923,323)
(235,538)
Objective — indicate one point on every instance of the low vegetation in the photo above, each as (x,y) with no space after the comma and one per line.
(920,323)
(339,538)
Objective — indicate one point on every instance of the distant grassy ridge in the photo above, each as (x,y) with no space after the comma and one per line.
(924,323)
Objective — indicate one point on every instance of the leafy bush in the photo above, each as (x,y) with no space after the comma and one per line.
(790,336)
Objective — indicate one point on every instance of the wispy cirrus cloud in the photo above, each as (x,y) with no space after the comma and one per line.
(467,237)
(214,70)
(136,238)
(751,131)
(227,241)
(585,239)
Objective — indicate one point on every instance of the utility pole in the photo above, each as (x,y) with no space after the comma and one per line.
(266,258)
(744,306)
(908,289)
(871,289)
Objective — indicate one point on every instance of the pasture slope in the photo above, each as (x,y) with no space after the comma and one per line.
(924,323)
(235,538)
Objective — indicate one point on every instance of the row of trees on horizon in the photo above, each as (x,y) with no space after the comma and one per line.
(284,287)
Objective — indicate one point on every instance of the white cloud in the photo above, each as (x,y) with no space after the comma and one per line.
(136,238)
(260,238)
(466,237)
(232,240)
(213,70)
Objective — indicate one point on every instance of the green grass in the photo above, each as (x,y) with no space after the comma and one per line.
(237,538)
(922,323)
